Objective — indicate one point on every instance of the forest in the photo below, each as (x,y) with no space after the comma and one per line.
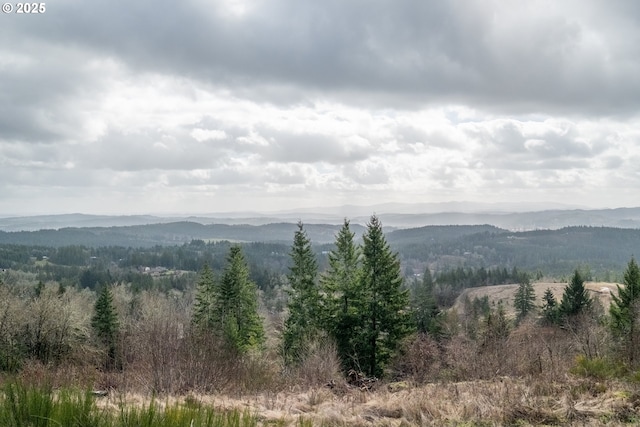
(369,315)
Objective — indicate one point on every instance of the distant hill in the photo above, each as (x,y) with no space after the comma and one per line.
(54,222)
(521,221)
(391,215)
(603,249)
(171,233)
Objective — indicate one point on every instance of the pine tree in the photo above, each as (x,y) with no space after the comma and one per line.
(575,299)
(106,326)
(303,322)
(550,308)
(496,329)
(237,305)
(229,308)
(425,308)
(385,305)
(625,314)
(525,297)
(205,310)
(341,289)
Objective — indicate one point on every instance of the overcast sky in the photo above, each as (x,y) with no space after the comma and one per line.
(196,106)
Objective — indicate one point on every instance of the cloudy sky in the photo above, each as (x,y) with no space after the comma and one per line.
(199,106)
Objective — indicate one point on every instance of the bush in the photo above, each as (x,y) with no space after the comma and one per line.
(597,368)
(320,365)
(419,359)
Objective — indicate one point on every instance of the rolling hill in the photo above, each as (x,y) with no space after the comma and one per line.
(506,293)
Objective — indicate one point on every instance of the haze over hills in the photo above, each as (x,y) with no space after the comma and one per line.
(393,215)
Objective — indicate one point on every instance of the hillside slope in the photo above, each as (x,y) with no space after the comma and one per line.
(506,293)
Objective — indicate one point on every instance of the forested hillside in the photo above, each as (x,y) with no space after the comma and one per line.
(167,234)
(555,252)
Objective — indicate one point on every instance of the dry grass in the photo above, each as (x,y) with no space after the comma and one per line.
(506,293)
(499,402)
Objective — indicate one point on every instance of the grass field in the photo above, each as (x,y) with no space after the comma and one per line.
(499,402)
(506,293)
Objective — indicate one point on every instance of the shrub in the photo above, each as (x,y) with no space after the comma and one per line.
(597,368)
(419,359)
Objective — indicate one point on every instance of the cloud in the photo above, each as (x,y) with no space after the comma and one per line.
(289,147)
(201,135)
(287,102)
(537,57)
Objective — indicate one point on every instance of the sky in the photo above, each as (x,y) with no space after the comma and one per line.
(129,107)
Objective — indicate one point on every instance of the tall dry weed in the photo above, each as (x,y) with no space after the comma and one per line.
(320,366)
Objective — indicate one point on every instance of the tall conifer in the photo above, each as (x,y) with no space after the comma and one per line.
(425,308)
(303,321)
(106,326)
(575,299)
(525,297)
(342,294)
(385,304)
(625,314)
(228,308)
(204,310)
(237,305)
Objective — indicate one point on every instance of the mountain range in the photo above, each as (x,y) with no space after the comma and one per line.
(392,216)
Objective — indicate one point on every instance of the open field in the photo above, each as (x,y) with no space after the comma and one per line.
(500,402)
(506,293)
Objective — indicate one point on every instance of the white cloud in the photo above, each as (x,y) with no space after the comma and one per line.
(253,104)
(201,135)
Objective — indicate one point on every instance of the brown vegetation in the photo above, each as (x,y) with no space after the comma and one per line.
(480,374)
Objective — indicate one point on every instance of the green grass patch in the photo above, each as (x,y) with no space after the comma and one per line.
(29,406)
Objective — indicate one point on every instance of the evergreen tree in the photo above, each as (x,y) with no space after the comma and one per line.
(525,297)
(341,290)
(205,310)
(385,304)
(106,326)
(550,308)
(425,308)
(497,326)
(625,314)
(237,305)
(39,288)
(302,323)
(575,299)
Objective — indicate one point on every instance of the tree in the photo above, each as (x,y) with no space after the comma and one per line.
(625,313)
(106,326)
(497,328)
(229,308)
(342,293)
(237,305)
(204,311)
(550,308)
(302,323)
(385,304)
(424,306)
(575,299)
(39,288)
(525,297)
